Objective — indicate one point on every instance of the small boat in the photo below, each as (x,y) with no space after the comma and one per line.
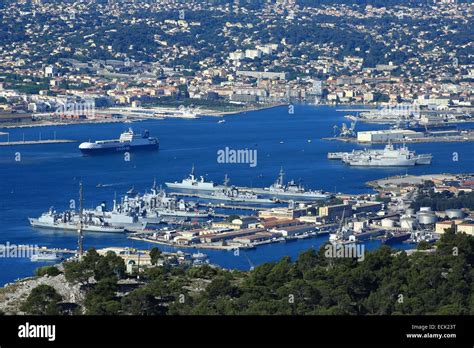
(44,256)
(221,121)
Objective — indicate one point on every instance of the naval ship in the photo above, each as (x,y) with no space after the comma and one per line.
(233,194)
(69,220)
(128,141)
(387,157)
(153,208)
(192,183)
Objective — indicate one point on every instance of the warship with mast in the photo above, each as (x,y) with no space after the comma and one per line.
(290,190)
(387,157)
(74,221)
(193,183)
(135,211)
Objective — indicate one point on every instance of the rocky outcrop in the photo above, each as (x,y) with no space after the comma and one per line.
(13,295)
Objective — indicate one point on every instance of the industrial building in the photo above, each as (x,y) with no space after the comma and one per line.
(257,237)
(386,135)
(367,207)
(283,213)
(442,226)
(295,230)
(332,212)
(215,237)
(467,228)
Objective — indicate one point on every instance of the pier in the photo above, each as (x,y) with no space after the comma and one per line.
(232,207)
(33,142)
(467,137)
(218,205)
(37,142)
(38,249)
(229,206)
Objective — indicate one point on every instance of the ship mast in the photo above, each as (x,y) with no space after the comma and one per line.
(280,177)
(80,237)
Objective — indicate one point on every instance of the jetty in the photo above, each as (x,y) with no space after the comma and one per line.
(37,142)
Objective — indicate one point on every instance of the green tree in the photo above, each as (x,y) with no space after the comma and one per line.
(423,245)
(109,265)
(142,302)
(221,286)
(155,255)
(77,272)
(43,300)
(51,271)
(101,300)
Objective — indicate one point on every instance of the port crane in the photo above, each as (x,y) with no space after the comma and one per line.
(345,131)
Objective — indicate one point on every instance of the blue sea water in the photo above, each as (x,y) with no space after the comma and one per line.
(48,175)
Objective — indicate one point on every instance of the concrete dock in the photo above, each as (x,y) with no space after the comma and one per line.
(37,142)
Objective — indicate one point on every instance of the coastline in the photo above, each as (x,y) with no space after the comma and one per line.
(205,113)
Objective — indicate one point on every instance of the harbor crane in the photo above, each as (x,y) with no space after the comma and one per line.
(345,131)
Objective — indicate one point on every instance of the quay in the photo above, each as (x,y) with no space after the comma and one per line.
(217,205)
(430,139)
(231,245)
(356,110)
(230,206)
(37,142)
(38,248)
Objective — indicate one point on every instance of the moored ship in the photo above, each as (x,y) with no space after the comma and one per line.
(44,256)
(233,194)
(69,220)
(128,141)
(192,183)
(290,190)
(387,157)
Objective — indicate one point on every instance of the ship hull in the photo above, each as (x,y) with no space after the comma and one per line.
(179,186)
(115,149)
(73,227)
(183,214)
(398,163)
(237,199)
(290,194)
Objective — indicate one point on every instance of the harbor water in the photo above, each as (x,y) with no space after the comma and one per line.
(36,177)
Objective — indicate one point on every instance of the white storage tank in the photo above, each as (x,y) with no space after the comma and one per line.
(427,218)
(454,213)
